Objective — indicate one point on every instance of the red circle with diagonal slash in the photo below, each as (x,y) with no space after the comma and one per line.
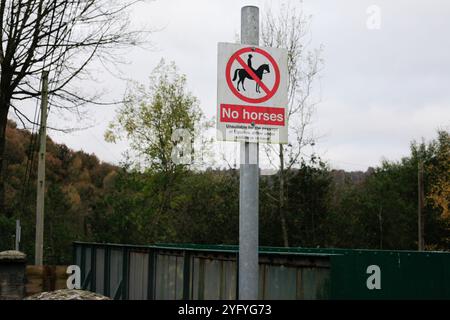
(269,93)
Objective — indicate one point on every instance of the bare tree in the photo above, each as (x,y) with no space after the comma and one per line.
(62,37)
(289,29)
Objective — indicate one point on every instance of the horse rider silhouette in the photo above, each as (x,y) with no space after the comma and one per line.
(243,74)
(249,62)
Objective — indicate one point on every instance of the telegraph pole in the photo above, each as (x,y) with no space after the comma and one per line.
(39,249)
(421,224)
(18,235)
(249,185)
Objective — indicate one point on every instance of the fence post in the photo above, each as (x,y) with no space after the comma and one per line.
(83,264)
(93,268)
(125,271)
(151,275)
(186,275)
(107,271)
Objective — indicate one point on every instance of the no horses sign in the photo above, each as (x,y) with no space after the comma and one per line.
(252,94)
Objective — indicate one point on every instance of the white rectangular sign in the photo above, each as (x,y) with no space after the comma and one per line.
(252,94)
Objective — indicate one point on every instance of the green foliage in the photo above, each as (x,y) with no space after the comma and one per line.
(200,208)
(62,226)
(308,190)
(93,201)
(382,212)
(206,209)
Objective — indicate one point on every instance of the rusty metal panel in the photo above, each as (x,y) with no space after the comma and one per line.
(307,283)
(212,279)
(100,270)
(280,282)
(290,283)
(138,277)
(209,276)
(312,283)
(228,280)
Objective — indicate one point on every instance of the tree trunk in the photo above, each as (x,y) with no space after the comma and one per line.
(282,213)
(4,107)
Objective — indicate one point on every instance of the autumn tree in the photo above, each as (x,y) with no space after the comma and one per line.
(76,183)
(439,168)
(62,37)
(436,159)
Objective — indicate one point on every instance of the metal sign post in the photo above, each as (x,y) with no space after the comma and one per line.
(251,109)
(249,185)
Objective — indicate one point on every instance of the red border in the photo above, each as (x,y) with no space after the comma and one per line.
(231,84)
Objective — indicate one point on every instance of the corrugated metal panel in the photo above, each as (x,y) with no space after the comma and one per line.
(228,280)
(312,283)
(87,261)
(213,279)
(169,277)
(212,275)
(179,278)
(197,279)
(294,273)
(138,278)
(78,256)
(171,283)
(100,270)
(115,271)
(162,277)
(279,282)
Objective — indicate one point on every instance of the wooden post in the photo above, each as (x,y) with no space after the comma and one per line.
(18,235)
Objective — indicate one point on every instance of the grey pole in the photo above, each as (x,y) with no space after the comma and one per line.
(249,185)
(18,235)
(39,249)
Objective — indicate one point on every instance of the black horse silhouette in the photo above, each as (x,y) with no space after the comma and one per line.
(243,74)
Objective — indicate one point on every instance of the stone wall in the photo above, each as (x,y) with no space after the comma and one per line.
(45,278)
(12,275)
(17,280)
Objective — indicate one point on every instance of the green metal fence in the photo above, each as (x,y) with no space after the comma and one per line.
(196,272)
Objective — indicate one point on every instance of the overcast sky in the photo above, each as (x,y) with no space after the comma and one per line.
(379,88)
